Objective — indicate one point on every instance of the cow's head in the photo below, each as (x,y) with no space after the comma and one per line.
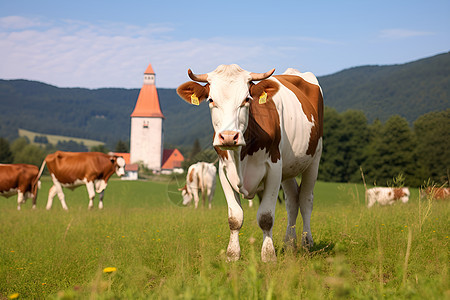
(119,165)
(187,197)
(229,90)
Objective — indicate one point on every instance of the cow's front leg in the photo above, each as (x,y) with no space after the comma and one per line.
(91,192)
(235,216)
(266,211)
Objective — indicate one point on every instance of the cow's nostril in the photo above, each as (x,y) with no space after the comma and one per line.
(236,137)
(221,137)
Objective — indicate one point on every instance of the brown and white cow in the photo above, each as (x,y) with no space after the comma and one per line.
(73,169)
(200,176)
(386,195)
(21,180)
(266,133)
(435,192)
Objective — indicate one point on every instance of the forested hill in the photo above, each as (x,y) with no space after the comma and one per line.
(409,90)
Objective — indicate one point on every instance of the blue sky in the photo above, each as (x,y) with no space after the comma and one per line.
(96,44)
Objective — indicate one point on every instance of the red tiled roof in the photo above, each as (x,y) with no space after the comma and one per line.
(125,156)
(147,104)
(172,158)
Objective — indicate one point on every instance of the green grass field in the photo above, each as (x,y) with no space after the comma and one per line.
(164,251)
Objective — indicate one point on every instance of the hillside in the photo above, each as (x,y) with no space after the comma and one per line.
(409,90)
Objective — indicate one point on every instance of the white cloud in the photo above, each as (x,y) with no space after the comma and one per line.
(72,53)
(398,33)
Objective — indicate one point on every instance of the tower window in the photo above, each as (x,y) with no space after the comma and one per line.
(145,124)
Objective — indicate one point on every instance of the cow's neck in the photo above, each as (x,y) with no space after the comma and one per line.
(233,169)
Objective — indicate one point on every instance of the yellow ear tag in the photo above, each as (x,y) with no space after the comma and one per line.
(194,99)
(263,98)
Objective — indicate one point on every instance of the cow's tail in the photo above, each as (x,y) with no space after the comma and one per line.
(37,183)
(217,159)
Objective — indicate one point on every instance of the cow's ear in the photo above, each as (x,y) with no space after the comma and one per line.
(193,93)
(265,89)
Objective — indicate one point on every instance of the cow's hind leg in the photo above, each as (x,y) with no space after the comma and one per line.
(290,188)
(306,197)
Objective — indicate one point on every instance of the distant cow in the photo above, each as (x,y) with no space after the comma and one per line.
(200,176)
(73,169)
(21,180)
(386,195)
(436,193)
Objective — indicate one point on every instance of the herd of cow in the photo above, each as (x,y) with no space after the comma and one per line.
(265,134)
(67,169)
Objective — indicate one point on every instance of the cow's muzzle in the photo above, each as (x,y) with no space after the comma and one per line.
(229,139)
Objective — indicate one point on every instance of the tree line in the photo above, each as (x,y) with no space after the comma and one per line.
(385,151)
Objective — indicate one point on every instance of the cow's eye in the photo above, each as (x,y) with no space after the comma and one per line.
(210,100)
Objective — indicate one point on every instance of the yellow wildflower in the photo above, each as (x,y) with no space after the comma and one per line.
(109,270)
(13,296)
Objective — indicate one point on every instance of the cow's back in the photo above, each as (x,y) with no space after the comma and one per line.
(70,166)
(299,103)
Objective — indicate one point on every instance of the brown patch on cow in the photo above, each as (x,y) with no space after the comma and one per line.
(263,129)
(438,193)
(23,177)
(265,221)
(234,223)
(311,99)
(70,166)
(187,89)
(191,176)
(398,193)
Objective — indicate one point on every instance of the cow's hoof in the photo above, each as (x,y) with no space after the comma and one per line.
(232,256)
(307,241)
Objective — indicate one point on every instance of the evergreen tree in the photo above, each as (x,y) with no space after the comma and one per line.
(432,132)
(30,154)
(121,147)
(332,161)
(99,148)
(6,156)
(196,148)
(393,154)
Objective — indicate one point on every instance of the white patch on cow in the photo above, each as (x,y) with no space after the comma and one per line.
(74,184)
(100,185)
(120,171)
(9,193)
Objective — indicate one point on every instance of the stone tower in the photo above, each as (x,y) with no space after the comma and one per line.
(146,139)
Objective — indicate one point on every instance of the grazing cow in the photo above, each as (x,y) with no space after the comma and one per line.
(21,180)
(201,176)
(264,133)
(386,195)
(73,169)
(435,192)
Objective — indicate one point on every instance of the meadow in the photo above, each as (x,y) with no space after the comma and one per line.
(157,249)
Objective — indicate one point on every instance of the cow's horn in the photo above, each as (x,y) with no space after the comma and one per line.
(199,78)
(261,76)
